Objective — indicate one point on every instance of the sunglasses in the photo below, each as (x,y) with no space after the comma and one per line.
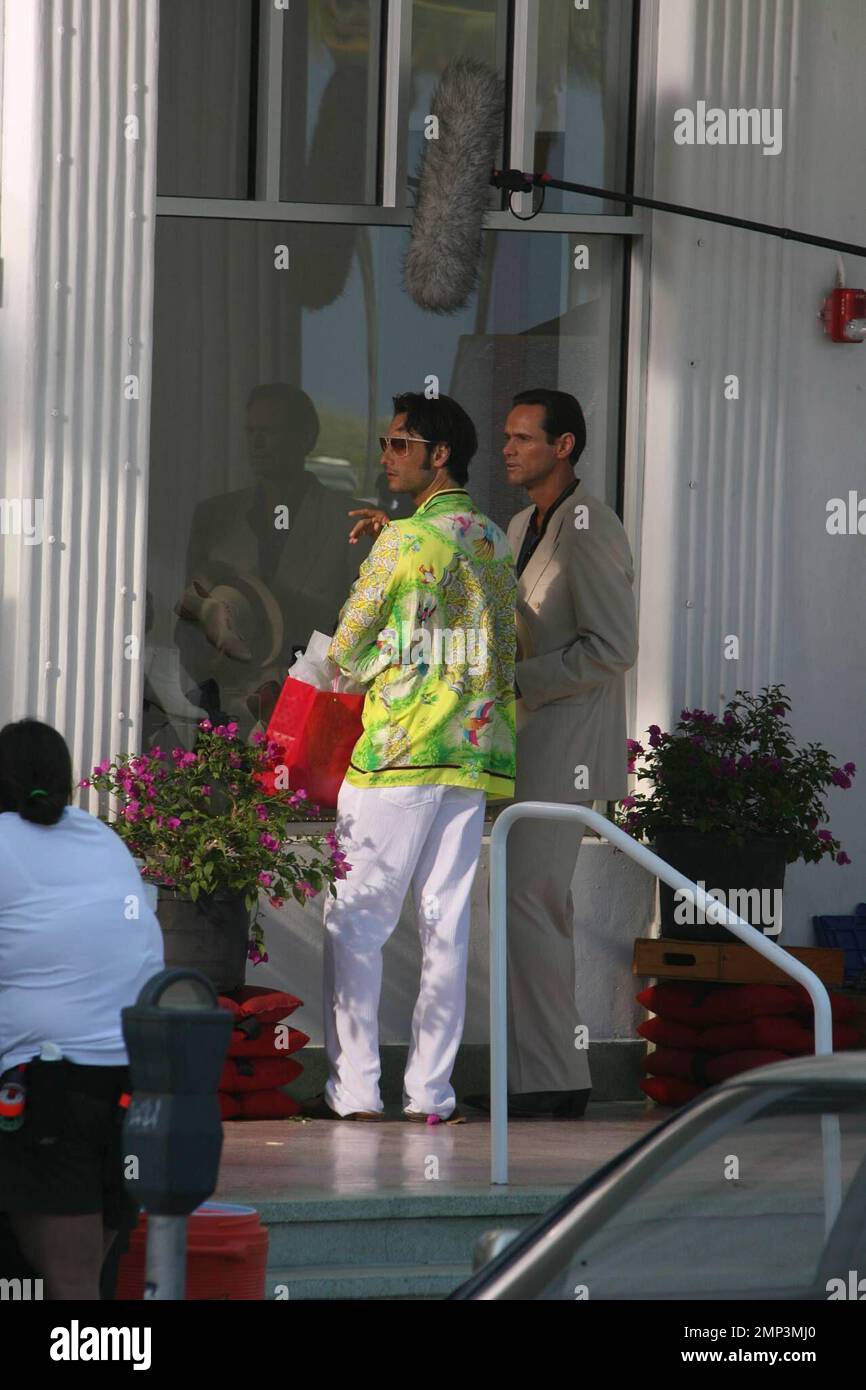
(398,444)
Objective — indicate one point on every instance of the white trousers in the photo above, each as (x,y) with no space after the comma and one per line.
(428,837)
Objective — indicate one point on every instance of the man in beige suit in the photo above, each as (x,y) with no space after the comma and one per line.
(577,637)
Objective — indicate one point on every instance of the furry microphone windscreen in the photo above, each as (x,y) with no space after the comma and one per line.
(440,270)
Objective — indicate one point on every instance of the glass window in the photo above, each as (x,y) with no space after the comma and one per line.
(271,388)
(330,101)
(744,1216)
(205,60)
(582,101)
(441,31)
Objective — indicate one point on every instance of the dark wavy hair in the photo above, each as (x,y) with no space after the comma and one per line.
(34,758)
(442,421)
(562,415)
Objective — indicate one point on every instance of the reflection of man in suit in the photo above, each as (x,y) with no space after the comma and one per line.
(266,564)
(576,638)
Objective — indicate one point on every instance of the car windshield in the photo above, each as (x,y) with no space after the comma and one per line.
(764,1203)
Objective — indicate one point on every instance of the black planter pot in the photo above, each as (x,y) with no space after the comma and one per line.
(756,868)
(209,935)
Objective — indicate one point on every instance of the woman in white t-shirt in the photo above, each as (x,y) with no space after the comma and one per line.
(77,943)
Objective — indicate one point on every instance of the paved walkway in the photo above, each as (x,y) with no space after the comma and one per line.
(268,1160)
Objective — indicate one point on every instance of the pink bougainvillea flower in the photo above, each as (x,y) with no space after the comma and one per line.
(824,835)
(85,782)
(842,858)
(257,737)
(276,902)
(266,879)
(268,841)
(262,812)
(628,801)
(850,768)
(173,823)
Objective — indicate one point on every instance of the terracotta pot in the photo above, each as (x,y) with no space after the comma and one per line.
(209,935)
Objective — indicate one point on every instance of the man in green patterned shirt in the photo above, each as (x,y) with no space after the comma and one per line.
(429,628)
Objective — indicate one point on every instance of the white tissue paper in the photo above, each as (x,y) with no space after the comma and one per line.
(315,668)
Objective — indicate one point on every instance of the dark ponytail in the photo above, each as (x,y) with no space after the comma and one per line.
(35,771)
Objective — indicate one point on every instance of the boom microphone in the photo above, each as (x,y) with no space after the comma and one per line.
(442,264)
(441,267)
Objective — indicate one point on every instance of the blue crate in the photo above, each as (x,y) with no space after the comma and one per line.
(849,933)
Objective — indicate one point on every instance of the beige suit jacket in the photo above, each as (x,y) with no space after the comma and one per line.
(576,638)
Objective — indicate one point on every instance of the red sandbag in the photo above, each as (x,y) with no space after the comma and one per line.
(665,1032)
(842,1008)
(229,1106)
(242,1074)
(783,1034)
(260,1003)
(701,1005)
(676,1061)
(317,731)
(267,1105)
(669,1090)
(732,1063)
(273,1040)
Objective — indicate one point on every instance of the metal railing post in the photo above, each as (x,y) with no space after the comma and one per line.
(713,910)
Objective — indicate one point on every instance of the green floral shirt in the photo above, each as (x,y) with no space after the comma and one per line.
(429,627)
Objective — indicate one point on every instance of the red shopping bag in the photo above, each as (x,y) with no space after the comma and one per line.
(317,730)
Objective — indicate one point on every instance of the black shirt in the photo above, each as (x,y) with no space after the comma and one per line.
(533,538)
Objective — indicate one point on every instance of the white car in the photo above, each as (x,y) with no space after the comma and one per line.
(756,1190)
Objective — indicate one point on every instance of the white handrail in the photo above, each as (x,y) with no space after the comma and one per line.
(712,908)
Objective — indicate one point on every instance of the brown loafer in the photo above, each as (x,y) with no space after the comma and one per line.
(455,1118)
(319,1109)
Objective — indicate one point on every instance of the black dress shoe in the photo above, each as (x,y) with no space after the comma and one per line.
(537,1105)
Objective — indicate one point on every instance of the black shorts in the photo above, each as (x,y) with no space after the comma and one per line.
(82,1172)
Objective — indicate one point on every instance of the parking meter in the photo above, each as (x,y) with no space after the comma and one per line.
(177,1037)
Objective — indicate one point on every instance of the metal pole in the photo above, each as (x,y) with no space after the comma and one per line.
(165,1261)
(498,1000)
(713,910)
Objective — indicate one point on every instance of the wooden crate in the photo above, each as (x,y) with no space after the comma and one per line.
(731,964)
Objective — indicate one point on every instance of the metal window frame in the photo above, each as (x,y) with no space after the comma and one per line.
(518,50)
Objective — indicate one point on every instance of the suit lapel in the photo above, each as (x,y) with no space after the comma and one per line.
(542,556)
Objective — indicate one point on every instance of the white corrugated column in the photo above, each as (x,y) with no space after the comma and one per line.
(78,221)
(713,544)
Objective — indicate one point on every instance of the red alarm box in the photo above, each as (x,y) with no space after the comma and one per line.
(844,315)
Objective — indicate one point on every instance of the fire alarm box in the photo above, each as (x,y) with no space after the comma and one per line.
(844,315)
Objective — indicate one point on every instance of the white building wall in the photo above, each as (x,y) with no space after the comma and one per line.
(733,539)
(77,228)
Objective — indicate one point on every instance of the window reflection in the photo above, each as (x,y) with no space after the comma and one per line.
(330,101)
(441,31)
(271,388)
(582,101)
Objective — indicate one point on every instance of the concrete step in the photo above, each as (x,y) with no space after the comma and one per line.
(333,1282)
(396,1245)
